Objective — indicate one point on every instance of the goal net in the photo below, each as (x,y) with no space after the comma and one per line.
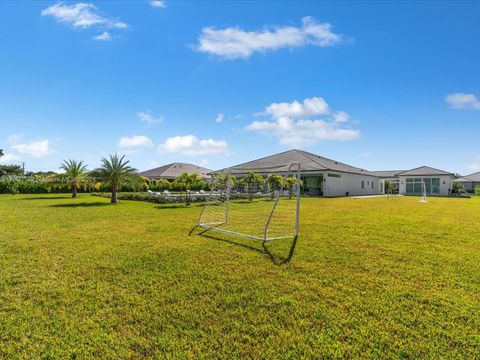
(260,204)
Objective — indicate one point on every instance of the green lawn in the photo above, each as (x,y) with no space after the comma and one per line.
(370,278)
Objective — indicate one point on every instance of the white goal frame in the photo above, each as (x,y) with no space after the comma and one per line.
(293,169)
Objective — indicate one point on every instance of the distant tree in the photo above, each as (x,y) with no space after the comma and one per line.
(388,187)
(457,187)
(116,172)
(476,190)
(75,172)
(289,182)
(1,152)
(251,180)
(220,181)
(274,181)
(188,181)
(12,170)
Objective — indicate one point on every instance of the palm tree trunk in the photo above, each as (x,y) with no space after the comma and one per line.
(187,198)
(114,195)
(74,191)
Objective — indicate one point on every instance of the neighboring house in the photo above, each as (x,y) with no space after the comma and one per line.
(437,182)
(390,175)
(320,176)
(171,171)
(470,181)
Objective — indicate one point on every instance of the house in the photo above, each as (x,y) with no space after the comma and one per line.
(320,176)
(391,176)
(470,181)
(173,170)
(437,182)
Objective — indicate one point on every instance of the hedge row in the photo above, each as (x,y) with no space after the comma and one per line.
(157,199)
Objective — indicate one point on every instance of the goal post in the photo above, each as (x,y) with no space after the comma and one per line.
(260,204)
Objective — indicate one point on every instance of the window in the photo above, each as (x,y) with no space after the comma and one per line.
(435,186)
(363,184)
(372,185)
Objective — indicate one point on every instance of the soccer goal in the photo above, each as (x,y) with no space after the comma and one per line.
(424,192)
(260,204)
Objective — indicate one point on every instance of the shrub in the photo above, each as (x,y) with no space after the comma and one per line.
(477,190)
(157,199)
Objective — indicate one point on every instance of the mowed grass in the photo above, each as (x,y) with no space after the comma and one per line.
(369,278)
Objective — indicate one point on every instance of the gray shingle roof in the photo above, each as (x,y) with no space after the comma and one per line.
(424,171)
(388,173)
(473,177)
(171,171)
(308,162)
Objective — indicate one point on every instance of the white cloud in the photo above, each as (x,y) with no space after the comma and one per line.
(105,36)
(14,138)
(158,3)
(473,167)
(135,141)
(312,106)
(191,145)
(292,125)
(234,43)
(341,117)
(463,101)
(9,158)
(149,119)
(34,148)
(81,15)
(219,118)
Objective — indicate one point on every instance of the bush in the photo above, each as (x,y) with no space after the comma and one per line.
(477,190)
(157,199)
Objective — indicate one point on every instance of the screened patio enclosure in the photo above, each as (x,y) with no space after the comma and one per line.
(312,185)
(414,186)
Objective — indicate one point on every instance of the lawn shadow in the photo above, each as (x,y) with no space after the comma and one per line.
(276,259)
(83,204)
(47,197)
(177,206)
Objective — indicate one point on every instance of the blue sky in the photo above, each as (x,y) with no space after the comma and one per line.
(380,85)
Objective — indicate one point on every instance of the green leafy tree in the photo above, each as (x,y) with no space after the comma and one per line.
(117,173)
(274,181)
(289,182)
(75,173)
(188,181)
(220,181)
(1,152)
(457,187)
(476,190)
(12,170)
(251,180)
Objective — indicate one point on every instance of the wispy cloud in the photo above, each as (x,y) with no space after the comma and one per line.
(158,3)
(135,141)
(235,43)
(35,148)
(192,145)
(296,124)
(463,101)
(219,118)
(148,119)
(105,36)
(84,16)
(8,158)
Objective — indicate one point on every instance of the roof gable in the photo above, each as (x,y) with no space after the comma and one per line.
(171,171)
(424,171)
(308,162)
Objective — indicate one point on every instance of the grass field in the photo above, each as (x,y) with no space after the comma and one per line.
(370,278)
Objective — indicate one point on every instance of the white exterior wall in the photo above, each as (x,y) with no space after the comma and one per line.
(446,182)
(351,183)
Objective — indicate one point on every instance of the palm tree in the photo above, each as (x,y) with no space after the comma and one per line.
(220,181)
(251,180)
(274,181)
(188,180)
(1,152)
(75,172)
(116,172)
